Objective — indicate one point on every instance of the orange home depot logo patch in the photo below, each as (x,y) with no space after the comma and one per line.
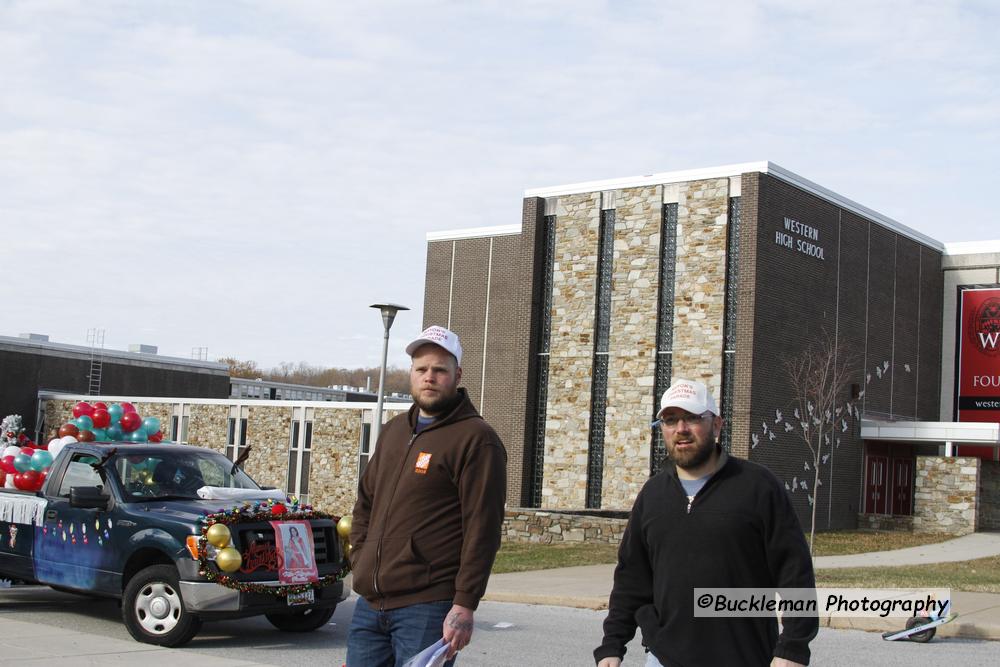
(423,463)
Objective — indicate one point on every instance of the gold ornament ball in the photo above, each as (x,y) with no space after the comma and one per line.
(147,478)
(348,549)
(344,526)
(229,560)
(218,535)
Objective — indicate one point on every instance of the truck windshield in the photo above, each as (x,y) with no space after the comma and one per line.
(166,474)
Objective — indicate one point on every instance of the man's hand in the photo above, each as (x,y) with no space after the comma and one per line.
(457,629)
(782,662)
(610,662)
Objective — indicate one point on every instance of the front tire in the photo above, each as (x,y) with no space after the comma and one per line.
(306,620)
(153,610)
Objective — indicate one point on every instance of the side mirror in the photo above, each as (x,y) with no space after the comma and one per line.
(88,497)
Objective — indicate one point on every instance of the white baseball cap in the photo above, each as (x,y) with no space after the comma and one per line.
(689,395)
(443,338)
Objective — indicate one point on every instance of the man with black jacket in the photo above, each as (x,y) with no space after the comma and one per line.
(707,521)
(426,525)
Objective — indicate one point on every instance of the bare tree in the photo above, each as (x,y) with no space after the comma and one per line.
(819,377)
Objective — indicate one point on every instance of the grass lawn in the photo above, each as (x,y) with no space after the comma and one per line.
(982,575)
(974,575)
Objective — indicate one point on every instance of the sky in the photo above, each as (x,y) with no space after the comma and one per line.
(248,177)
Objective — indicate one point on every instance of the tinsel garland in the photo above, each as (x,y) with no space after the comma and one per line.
(269,511)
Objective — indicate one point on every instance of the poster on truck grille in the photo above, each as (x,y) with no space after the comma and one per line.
(294,543)
(979,354)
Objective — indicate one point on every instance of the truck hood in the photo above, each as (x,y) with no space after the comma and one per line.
(186,512)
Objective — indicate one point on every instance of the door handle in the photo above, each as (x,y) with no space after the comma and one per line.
(50,514)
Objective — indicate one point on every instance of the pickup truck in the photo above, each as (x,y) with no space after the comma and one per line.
(129,521)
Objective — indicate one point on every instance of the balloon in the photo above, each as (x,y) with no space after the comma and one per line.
(86,436)
(100,435)
(11,450)
(115,412)
(82,408)
(130,421)
(41,460)
(69,439)
(55,447)
(84,423)
(27,451)
(100,405)
(101,418)
(115,433)
(68,429)
(19,481)
(128,407)
(22,463)
(30,479)
(138,435)
(151,424)
(7,464)
(3,478)
(156,437)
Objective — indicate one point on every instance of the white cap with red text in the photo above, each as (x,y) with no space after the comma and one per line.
(443,338)
(689,395)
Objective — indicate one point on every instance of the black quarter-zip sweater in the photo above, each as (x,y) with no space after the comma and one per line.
(739,532)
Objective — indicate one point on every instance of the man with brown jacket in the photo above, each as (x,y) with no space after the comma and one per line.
(426,525)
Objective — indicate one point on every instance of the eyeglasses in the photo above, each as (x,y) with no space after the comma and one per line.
(671,421)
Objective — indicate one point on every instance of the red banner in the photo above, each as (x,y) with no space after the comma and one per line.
(294,542)
(979,355)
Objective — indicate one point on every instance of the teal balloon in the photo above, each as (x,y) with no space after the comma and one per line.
(22,463)
(115,411)
(40,460)
(100,434)
(151,424)
(138,435)
(84,423)
(114,432)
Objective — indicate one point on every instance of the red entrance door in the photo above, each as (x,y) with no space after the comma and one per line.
(876,484)
(902,486)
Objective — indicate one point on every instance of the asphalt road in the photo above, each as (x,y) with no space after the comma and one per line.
(505,634)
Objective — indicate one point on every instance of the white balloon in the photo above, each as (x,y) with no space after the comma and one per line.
(11,450)
(9,482)
(68,439)
(54,441)
(55,447)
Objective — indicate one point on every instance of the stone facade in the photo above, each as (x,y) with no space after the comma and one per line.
(632,350)
(885,522)
(535,526)
(574,279)
(989,496)
(945,495)
(336,440)
(700,283)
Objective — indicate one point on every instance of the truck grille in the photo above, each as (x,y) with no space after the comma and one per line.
(325,541)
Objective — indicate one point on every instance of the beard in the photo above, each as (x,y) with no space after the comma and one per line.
(437,403)
(692,457)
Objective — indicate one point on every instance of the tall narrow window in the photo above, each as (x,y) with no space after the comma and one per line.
(236,432)
(729,321)
(299,450)
(548,234)
(599,381)
(664,327)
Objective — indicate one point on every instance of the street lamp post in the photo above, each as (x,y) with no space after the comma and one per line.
(388,311)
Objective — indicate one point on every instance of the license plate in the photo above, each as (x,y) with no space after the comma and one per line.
(307,596)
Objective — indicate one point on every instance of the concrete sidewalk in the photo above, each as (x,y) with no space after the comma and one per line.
(589,586)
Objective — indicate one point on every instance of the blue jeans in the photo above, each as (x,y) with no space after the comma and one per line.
(391,637)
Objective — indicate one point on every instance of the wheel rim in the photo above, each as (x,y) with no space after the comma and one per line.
(158,608)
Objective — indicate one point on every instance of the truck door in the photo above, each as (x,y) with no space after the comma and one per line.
(73,546)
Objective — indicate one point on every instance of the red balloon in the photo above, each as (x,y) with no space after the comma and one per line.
(100,405)
(156,437)
(130,421)
(127,407)
(7,465)
(20,482)
(68,429)
(30,480)
(101,418)
(27,451)
(85,436)
(82,408)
